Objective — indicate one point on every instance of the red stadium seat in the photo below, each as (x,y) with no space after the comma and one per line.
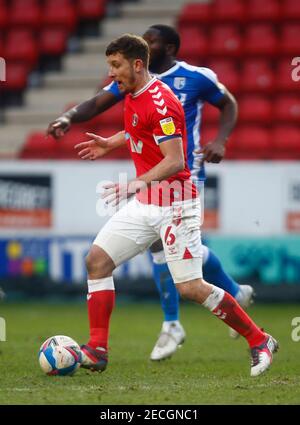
(284,74)
(210,115)
(227,73)
(228,11)
(112,117)
(266,10)
(21,47)
(194,51)
(38,146)
(260,40)
(286,142)
(290,39)
(91,9)
(225,40)
(25,13)
(287,109)
(53,41)
(257,76)
(251,142)
(291,10)
(16,76)
(61,14)
(194,14)
(3,15)
(255,109)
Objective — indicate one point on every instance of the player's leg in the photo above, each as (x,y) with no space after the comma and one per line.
(114,244)
(213,272)
(184,261)
(172,334)
(226,308)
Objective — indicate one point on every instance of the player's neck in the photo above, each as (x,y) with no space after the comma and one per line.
(142,81)
(163,66)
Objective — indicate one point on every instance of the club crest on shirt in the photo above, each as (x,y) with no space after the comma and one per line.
(167,126)
(179,82)
(135,119)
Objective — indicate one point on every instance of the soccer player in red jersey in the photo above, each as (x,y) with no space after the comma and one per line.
(166,206)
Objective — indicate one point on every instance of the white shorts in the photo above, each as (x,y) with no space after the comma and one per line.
(136,226)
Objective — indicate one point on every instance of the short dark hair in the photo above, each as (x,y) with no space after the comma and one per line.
(131,46)
(168,34)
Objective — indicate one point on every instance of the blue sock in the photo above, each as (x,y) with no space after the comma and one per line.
(213,273)
(169,298)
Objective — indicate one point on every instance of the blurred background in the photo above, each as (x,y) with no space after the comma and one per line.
(54,55)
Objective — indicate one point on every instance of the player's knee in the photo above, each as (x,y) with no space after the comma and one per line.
(98,263)
(184,290)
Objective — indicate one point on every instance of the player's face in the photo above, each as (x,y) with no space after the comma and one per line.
(157,47)
(121,70)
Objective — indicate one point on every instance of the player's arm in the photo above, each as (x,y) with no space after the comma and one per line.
(82,112)
(214,151)
(99,146)
(172,163)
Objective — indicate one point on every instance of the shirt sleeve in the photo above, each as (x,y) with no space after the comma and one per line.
(167,123)
(114,89)
(210,90)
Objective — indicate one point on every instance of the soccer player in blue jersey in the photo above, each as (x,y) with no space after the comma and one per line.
(193,86)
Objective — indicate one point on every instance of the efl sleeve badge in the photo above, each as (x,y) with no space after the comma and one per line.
(167,126)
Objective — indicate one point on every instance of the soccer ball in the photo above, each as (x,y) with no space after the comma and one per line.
(59,355)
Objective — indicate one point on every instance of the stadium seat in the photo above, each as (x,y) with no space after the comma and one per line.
(257,76)
(227,73)
(266,10)
(16,76)
(209,133)
(91,9)
(225,40)
(251,142)
(284,80)
(286,142)
(290,39)
(210,115)
(194,14)
(53,41)
(38,146)
(114,117)
(192,52)
(228,11)
(3,15)
(290,9)
(260,40)
(25,14)
(255,109)
(287,109)
(61,14)
(21,47)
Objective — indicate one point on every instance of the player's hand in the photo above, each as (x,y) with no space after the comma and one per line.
(59,127)
(94,148)
(114,193)
(213,152)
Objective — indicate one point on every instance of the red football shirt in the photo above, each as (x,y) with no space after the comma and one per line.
(154,115)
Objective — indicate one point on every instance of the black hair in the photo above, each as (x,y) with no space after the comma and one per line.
(168,34)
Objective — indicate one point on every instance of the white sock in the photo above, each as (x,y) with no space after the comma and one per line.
(214,299)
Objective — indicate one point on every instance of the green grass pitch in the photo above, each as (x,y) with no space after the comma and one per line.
(209,369)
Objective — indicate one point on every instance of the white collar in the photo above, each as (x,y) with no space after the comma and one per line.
(146,86)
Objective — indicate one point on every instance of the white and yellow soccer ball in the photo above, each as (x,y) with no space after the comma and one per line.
(59,355)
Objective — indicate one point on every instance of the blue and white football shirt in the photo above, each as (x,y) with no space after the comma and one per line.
(193,86)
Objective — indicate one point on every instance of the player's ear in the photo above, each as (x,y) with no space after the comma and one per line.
(138,65)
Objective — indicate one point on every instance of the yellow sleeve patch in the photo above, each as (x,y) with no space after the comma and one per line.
(167,126)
